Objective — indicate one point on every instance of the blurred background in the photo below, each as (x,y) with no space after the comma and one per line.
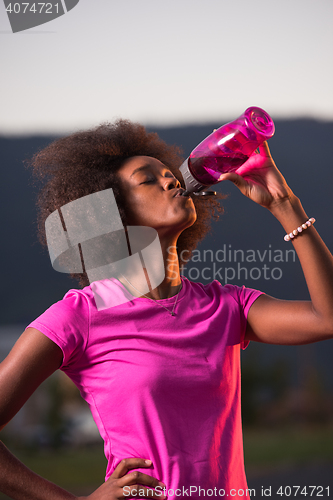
(182,69)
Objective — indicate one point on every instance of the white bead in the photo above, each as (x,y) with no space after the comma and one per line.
(297,231)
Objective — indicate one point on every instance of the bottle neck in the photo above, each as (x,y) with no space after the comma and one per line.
(191,183)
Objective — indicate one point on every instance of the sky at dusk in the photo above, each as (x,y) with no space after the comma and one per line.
(167,63)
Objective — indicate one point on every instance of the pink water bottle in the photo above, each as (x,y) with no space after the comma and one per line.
(226,149)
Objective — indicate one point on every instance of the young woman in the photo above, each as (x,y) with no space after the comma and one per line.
(161,371)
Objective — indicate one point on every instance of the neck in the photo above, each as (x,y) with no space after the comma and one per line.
(171,284)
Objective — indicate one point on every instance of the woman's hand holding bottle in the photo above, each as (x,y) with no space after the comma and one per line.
(260,180)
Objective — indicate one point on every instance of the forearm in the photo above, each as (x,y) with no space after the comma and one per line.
(315,258)
(20,483)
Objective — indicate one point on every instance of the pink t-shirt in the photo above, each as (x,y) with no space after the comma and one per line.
(161,387)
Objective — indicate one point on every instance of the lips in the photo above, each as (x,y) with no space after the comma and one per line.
(179,192)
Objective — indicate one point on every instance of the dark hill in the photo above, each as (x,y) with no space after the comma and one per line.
(302,151)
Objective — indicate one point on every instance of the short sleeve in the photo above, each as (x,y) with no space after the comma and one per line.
(245,298)
(66,323)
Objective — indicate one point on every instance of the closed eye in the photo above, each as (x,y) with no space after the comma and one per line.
(147,182)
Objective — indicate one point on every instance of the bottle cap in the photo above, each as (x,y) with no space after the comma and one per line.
(191,184)
(261,121)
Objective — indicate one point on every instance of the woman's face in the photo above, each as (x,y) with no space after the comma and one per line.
(151,196)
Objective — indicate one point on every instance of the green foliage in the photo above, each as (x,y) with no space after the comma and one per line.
(296,444)
(261,385)
(78,471)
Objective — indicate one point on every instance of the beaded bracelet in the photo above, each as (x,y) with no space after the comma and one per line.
(301,228)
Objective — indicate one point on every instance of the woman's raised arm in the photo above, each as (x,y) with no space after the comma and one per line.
(281,321)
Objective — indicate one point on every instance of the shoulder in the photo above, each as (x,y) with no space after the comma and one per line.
(67,322)
(74,306)
(77,300)
(212,288)
(242,295)
(212,291)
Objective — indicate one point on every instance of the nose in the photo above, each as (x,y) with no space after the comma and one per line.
(171,183)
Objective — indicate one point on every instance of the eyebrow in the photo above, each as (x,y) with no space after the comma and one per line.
(146,167)
(139,169)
